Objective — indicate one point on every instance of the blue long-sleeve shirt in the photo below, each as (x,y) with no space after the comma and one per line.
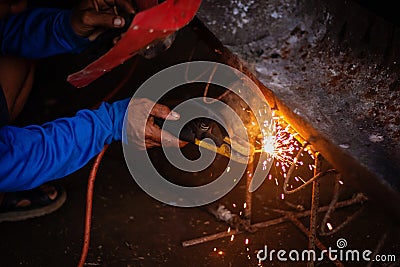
(33,155)
(39,33)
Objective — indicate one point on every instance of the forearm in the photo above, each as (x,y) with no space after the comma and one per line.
(33,155)
(38,33)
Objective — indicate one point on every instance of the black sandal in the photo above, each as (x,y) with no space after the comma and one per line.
(22,205)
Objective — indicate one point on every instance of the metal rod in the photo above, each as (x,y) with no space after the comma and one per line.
(231,232)
(311,180)
(327,216)
(360,198)
(312,236)
(248,194)
(335,198)
(317,242)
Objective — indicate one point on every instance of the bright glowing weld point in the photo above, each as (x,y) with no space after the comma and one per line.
(282,146)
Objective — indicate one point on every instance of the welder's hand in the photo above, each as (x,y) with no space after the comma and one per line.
(141,129)
(90,18)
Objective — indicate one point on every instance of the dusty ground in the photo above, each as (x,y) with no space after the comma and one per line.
(132,229)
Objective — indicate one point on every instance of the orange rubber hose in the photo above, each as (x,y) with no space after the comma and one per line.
(89,205)
(93,173)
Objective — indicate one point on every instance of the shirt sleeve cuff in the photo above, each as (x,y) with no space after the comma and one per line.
(117,112)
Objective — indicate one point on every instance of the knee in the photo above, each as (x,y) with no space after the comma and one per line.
(16,80)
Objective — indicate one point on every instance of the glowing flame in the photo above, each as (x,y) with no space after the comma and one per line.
(268,144)
(281,147)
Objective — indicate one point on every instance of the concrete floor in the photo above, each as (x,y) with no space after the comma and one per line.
(132,229)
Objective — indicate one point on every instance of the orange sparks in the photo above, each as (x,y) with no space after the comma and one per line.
(281,146)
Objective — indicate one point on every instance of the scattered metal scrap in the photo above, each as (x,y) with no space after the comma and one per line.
(241,225)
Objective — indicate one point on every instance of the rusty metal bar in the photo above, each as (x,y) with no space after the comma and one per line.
(317,242)
(248,194)
(327,216)
(311,180)
(359,198)
(331,209)
(312,236)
